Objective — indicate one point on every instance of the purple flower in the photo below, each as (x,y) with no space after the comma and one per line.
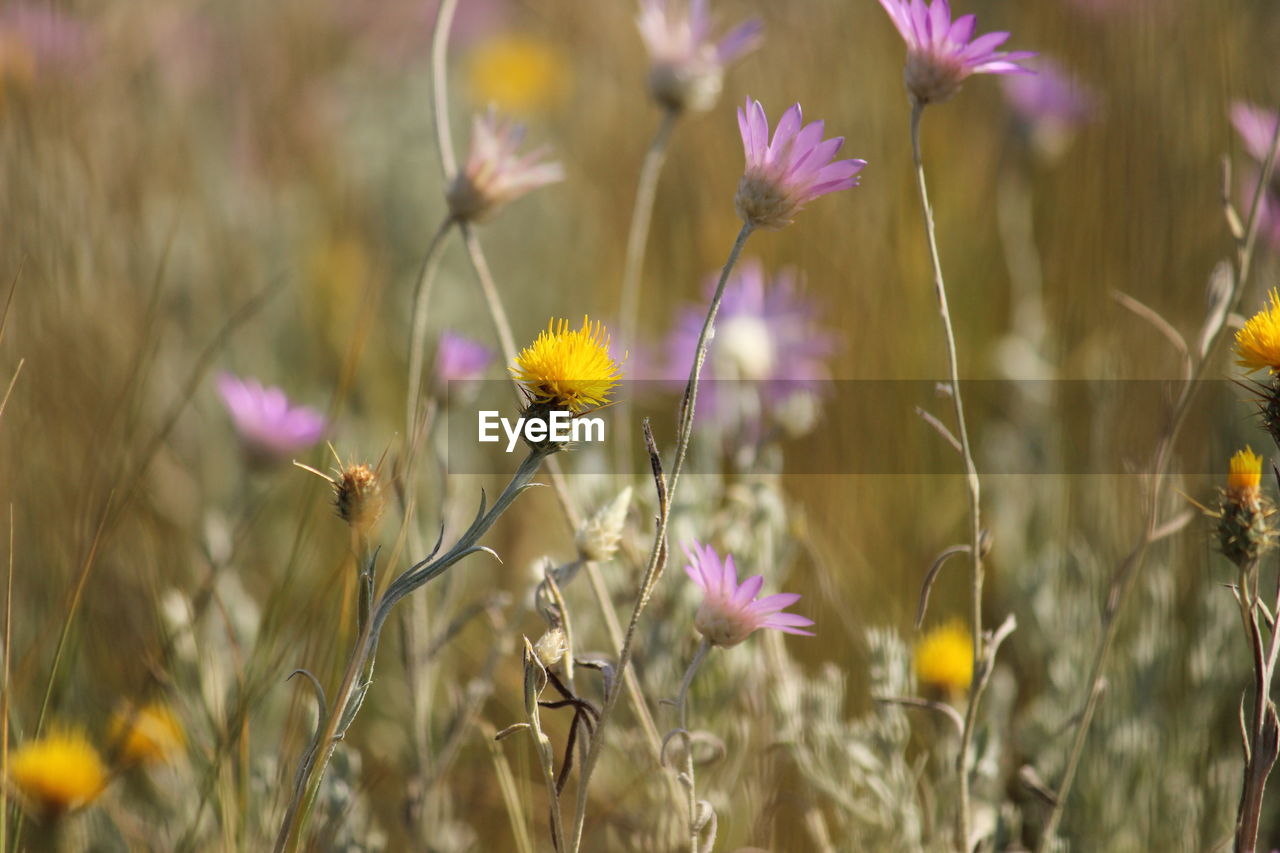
(730,611)
(1051,103)
(767,337)
(784,175)
(494,174)
(686,65)
(1256,127)
(48,38)
(941,54)
(270,427)
(460,358)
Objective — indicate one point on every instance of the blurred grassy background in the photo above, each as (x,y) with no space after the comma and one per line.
(164,165)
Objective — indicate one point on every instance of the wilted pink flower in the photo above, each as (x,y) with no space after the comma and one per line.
(271,428)
(942,53)
(784,175)
(687,66)
(494,175)
(460,358)
(1256,127)
(729,611)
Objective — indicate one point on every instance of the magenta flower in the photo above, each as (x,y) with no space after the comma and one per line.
(941,54)
(1051,104)
(784,175)
(730,611)
(686,65)
(460,358)
(494,174)
(769,344)
(1256,127)
(270,427)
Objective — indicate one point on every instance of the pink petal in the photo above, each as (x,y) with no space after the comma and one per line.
(983,45)
(962,30)
(785,131)
(750,587)
(777,601)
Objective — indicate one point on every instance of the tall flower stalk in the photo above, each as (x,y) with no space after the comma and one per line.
(781,176)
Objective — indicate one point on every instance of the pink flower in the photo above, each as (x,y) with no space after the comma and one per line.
(784,175)
(730,612)
(1051,104)
(1256,127)
(687,66)
(941,54)
(494,175)
(270,427)
(460,358)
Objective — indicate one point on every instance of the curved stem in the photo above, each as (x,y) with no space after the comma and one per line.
(1127,572)
(682,715)
(656,561)
(637,241)
(964,828)
(418,332)
(439,88)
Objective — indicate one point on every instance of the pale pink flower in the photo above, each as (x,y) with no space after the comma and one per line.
(270,427)
(730,611)
(941,53)
(1256,126)
(784,175)
(687,65)
(459,358)
(494,174)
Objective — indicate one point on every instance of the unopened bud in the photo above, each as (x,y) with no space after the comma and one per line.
(358,498)
(599,536)
(1244,517)
(551,647)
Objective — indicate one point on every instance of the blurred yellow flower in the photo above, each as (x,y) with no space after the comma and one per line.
(518,74)
(151,734)
(1245,475)
(944,657)
(568,368)
(58,773)
(1258,343)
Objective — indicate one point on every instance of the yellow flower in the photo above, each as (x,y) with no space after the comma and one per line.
(944,657)
(517,73)
(1245,475)
(1258,343)
(151,734)
(568,368)
(58,773)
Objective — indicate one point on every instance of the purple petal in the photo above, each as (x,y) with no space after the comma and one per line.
(785,131)
(962,30)
(777,601)
(939,21)
(739,41)
(750,587)
(759,131)
(981,47)
(787,620)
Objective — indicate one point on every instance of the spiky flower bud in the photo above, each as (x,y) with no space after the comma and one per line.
(358,497)
(598,538)
(551,647)
(1244,518)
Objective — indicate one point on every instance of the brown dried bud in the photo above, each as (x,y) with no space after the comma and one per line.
(358,498)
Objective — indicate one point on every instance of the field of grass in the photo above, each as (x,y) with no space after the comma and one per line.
(247,248)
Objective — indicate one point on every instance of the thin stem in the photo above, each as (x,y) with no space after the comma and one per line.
(355,679)
(974,488)
(439,88)
(637,241)
(656,562)
(682,707)
(418,332)
(1129,569)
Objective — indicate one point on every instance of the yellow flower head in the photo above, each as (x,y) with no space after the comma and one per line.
(151,734)
(518,74)
(944,657)
(568,368)
(1245,475)
(1258,343)
(58,773)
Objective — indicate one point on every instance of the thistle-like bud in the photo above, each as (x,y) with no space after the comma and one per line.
(598,538)
(551,647)
(358,497)
(1244,517)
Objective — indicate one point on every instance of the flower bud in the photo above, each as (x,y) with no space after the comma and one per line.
(1244,517)
(598,538)
(551,647)
(358,498)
